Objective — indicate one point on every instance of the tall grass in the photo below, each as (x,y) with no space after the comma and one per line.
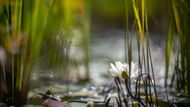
(144,52)
(168,52)
(178,37)
(86,35)
(181,14)
(32,32)
(25,22)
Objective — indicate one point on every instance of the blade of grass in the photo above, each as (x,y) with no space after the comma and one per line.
(141,31)
(18,21)
(149,57)
(168,53)
(13,79)
(86,40)
(34,33)
(138,21)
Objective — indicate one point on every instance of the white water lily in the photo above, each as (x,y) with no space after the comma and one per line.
(122,70)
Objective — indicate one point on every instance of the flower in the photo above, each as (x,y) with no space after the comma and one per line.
(122,70)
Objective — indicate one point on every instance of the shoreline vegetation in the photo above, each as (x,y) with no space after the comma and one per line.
(54,36)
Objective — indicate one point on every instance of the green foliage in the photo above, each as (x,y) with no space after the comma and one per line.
(24,27)
(39,32)
(168,52)
(181,13)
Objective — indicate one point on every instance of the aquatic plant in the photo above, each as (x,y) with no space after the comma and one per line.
(29,34)
(180,45)
(24,28)
(120,71)
(145,65)
(24,22)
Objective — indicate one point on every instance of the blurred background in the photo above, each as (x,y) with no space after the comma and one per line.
(74,41)
(68,45)
(93,37)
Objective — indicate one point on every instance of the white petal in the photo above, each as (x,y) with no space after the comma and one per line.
(133,65)
(113,67)
(119,66)
(134,70)
(113,73)
(126,67)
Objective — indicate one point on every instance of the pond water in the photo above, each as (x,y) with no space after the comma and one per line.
(105,47)
(108,46)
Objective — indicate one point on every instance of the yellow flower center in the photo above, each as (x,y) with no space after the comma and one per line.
(124,75)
